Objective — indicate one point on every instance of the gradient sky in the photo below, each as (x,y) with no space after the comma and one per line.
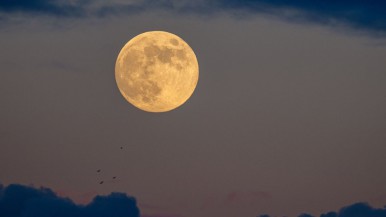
(289,114)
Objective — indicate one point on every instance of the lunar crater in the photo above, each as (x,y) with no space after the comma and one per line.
(174,41)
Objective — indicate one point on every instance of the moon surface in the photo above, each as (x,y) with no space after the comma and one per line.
(156,71)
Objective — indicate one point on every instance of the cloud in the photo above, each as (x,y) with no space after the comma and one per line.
(354,210)
(47,7)
(367,15)
(23,201)
(329,214)
(358,14)
(362,209)
(157,215)
(305,215)
(76,196)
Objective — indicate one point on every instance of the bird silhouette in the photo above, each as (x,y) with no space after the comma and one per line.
(98,171)
(101,182)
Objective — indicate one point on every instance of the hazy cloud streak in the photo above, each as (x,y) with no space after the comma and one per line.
(363,15)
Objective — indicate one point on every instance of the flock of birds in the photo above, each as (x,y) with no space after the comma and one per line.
(99,170)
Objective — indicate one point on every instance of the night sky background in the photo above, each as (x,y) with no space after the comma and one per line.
(289,115)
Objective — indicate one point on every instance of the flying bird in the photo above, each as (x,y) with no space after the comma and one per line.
(101,182)
(114,177)
(98,171)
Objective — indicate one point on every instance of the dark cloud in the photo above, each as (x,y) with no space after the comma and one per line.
(362,210)
(369,15)
(329,214)
(354,210)
(305,215)
(156,215)
(365,15)
(22,201)
(48,7)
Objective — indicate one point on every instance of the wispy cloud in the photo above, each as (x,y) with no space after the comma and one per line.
(364,15)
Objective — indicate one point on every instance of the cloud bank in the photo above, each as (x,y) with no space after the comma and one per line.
(23,201)
(354,210)
(358,14)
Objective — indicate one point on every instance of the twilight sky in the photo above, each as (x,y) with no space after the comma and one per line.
(288,115)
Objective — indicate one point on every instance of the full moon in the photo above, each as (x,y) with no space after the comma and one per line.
(156,71)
